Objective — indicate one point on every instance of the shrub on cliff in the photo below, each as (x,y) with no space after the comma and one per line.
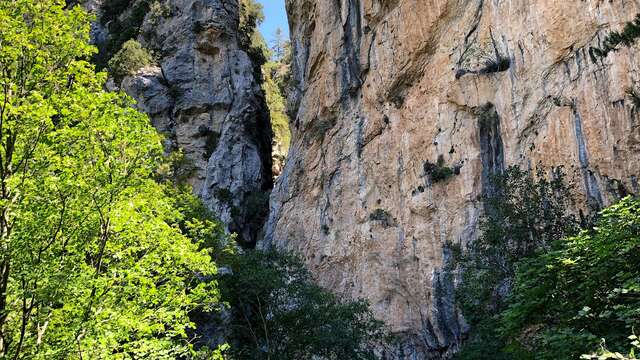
(131,58)
(279,313)
(249,38)
(272,73)
(612,42)
(123,19)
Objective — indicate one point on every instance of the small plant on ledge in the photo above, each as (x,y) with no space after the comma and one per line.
(635,97)
(439,172)
(627,37)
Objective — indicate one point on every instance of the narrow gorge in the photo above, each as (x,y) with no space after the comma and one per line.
(401,112)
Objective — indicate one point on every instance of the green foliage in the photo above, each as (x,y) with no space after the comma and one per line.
(212,139)
(123,25)
(174,168)
(257,205)
(439,172)
(250,39)
(605,354)
(131,58)
(587,287)
(627,37)
(224,195)
(111,9)
(534,290)
(97,260)
(274,74)
(158,10)
(524,214)
(278,313)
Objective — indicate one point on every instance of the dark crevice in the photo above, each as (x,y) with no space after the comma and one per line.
(349,61)
(491,146)
(594,196)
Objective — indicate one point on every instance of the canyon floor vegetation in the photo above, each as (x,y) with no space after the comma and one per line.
(541,284)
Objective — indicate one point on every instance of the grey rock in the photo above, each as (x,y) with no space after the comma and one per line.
(203,95)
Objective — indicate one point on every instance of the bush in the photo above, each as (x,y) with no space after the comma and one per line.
(439,172)
(279,313)
(627,37)
(224,195)
(123,25)
(523,215)
(131,58)
(586,288)
(498,64)
(605,354)
(157,11)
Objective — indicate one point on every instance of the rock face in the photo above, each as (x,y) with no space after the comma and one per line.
(386,86)
(203,94)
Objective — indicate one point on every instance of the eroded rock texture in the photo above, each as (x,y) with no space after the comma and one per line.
(383,86)
(204,96)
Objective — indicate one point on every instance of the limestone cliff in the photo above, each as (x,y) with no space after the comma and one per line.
(202,92)
(386,88)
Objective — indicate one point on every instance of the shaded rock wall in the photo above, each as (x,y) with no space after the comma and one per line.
(382,86)
(203,95)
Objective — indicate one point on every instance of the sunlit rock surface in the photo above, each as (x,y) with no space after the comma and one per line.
(384,86)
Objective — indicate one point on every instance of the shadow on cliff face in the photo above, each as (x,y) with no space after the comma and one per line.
(491,146)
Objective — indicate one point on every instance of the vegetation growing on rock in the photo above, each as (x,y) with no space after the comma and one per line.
(129,59)
(535,288)
(439,172)
(583,289)
(627,37)
(123,19)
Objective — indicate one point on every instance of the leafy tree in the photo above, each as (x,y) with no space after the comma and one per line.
(586,288)
(278,313)
(96,259)
(524,214)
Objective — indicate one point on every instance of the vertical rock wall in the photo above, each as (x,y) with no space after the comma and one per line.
(203,94)
(383,86)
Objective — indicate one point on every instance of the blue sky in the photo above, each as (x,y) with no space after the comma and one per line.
(275,16)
